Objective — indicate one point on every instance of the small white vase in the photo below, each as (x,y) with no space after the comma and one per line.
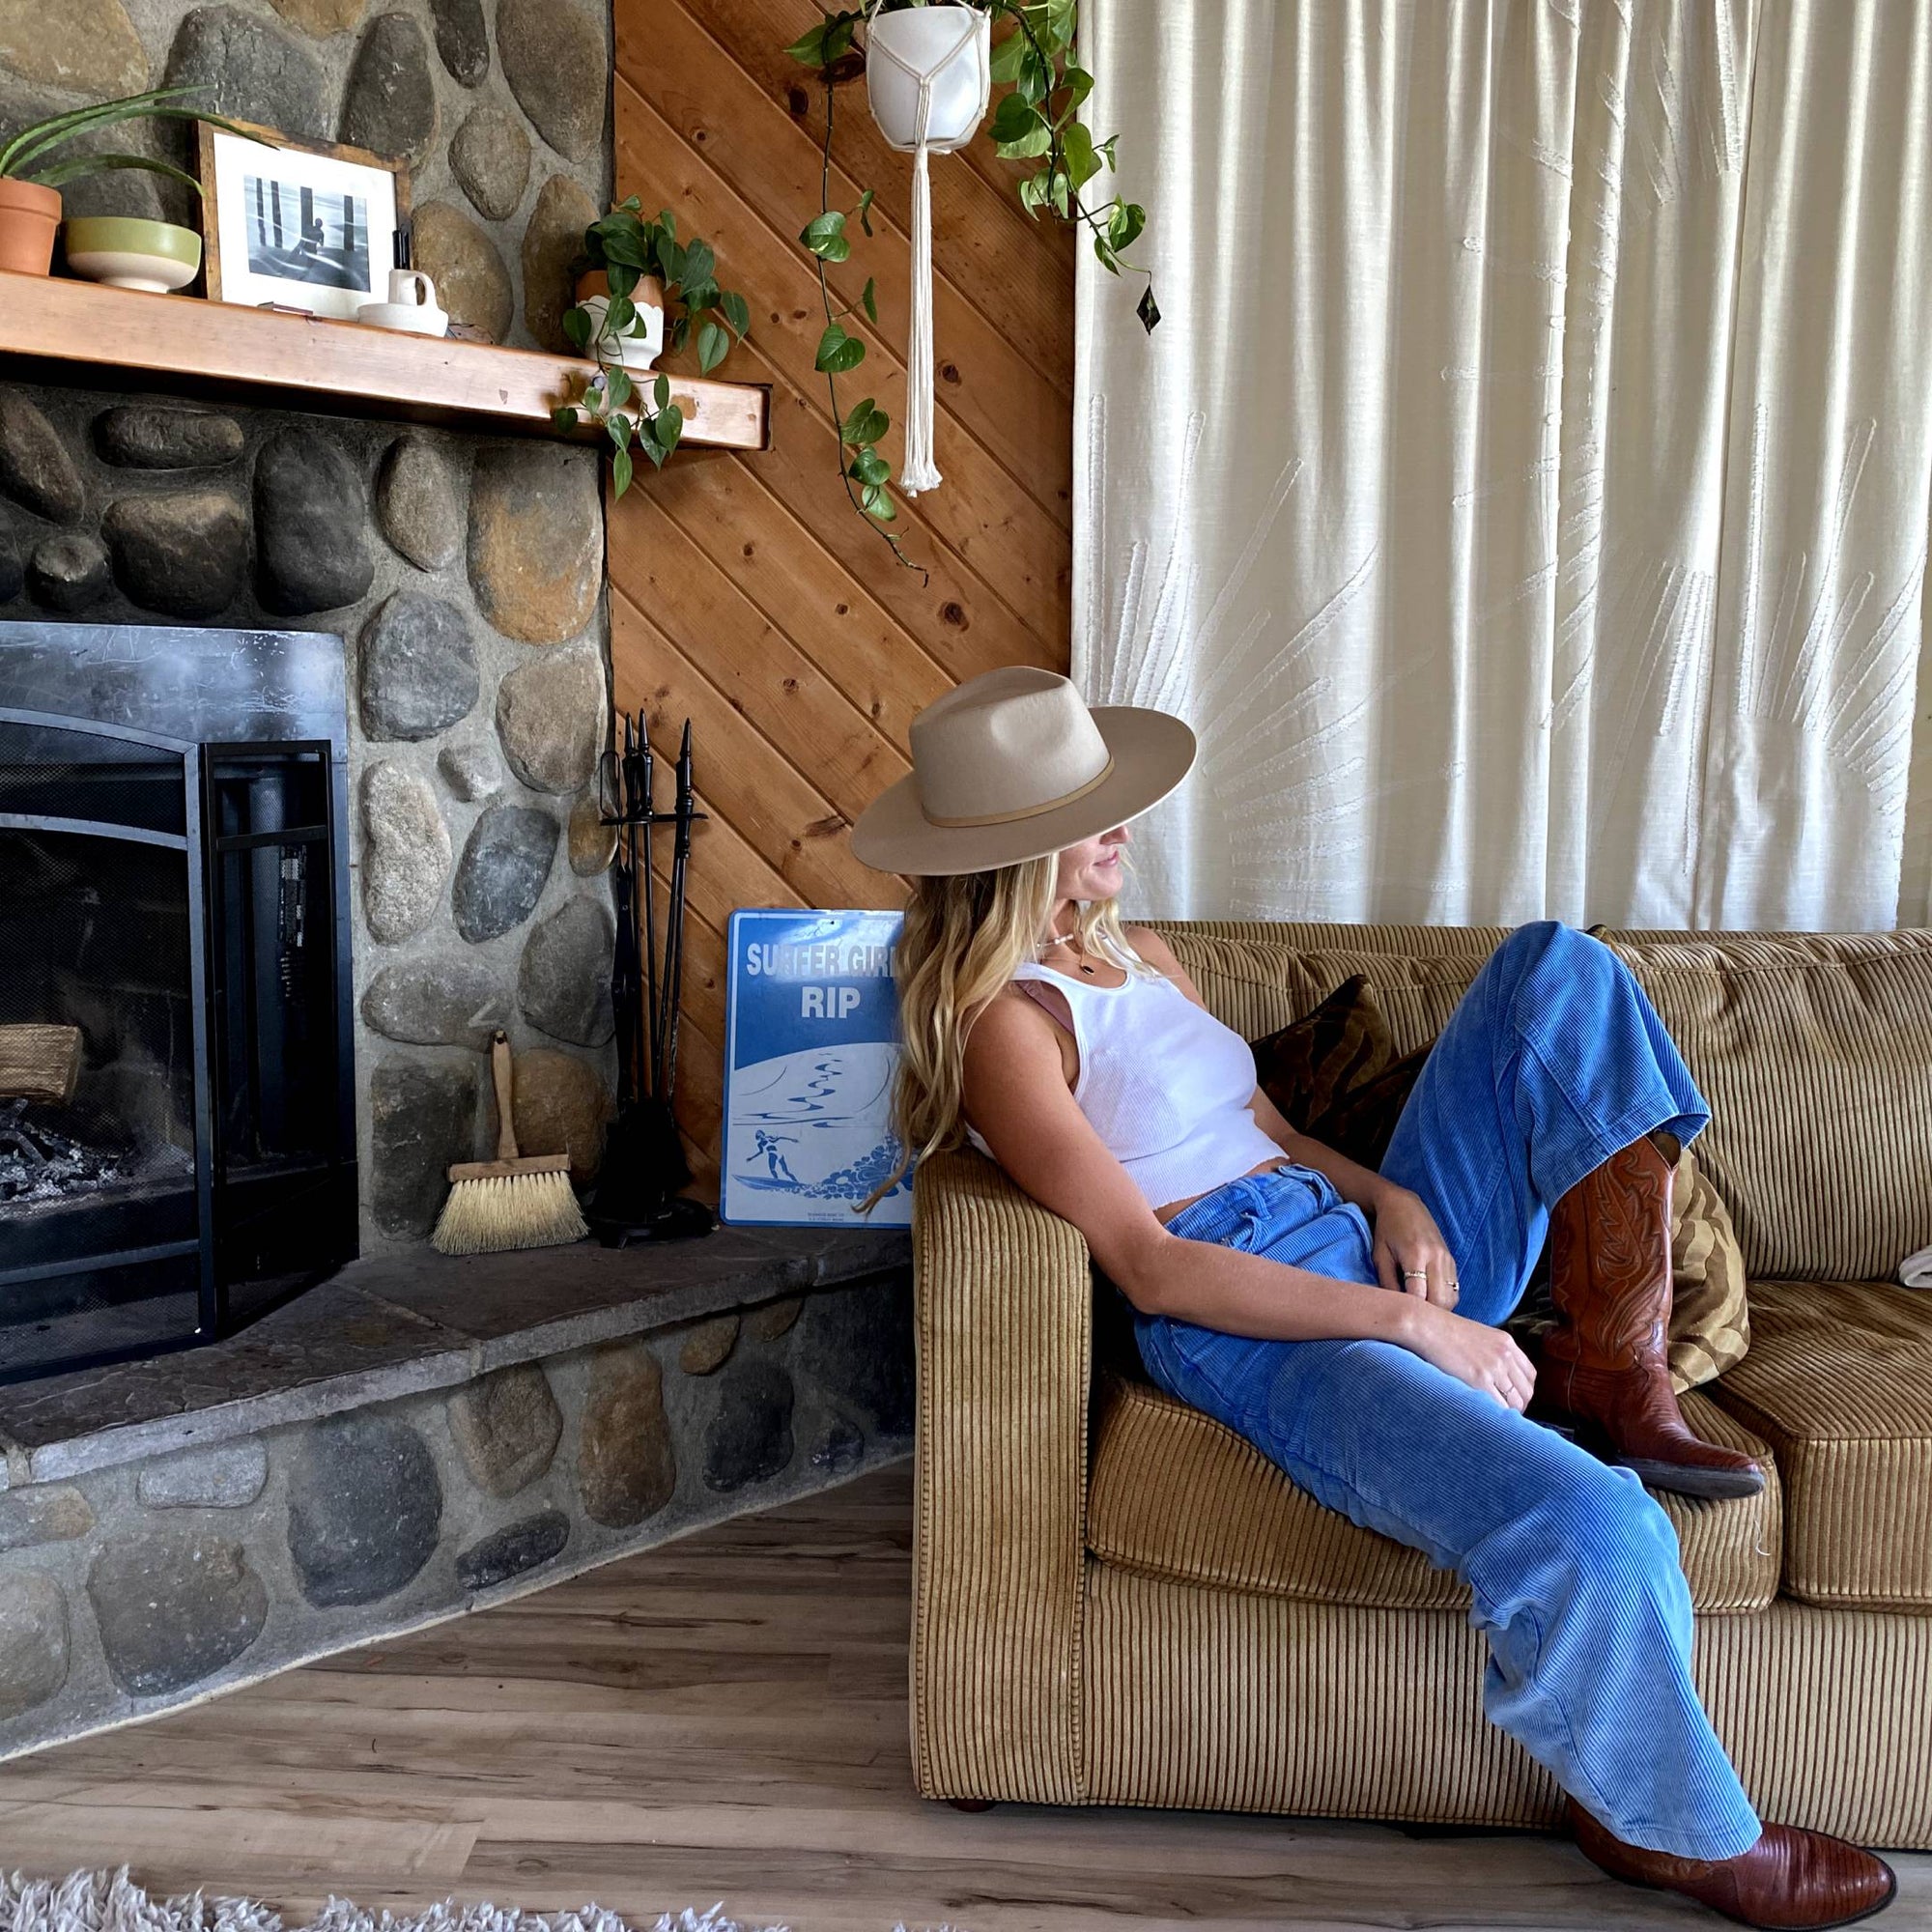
(639,346)
(951,48)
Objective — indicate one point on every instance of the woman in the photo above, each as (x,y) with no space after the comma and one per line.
(1347,1322)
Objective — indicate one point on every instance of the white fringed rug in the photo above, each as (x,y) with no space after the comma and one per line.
(98,1901)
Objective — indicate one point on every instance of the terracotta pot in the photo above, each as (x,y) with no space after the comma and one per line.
(29,214)
(595,282)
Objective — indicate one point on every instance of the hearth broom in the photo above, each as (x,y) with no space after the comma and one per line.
(511,1201)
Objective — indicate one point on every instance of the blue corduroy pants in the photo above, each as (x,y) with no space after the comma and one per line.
(1553,1059)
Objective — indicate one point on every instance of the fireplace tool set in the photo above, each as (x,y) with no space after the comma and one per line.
(635,1198)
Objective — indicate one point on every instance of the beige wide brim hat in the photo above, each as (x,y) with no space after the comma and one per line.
(1012,765)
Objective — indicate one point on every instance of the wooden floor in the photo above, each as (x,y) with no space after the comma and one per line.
(720,1718)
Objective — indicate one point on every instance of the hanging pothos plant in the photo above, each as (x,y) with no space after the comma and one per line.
(640,290)
(1037,122)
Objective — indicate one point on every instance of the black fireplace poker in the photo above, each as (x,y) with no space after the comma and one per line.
(637,1196)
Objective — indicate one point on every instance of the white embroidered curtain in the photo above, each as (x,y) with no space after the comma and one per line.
(1525,496)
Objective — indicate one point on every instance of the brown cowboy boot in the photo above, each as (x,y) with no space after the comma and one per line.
(1605,1369)
(1790,1880)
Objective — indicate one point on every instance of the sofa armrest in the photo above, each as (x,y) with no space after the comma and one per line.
(1004,1311)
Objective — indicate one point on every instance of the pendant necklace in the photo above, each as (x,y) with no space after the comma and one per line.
(1053,944)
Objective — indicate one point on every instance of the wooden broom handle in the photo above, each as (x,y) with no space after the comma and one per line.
(500,1071)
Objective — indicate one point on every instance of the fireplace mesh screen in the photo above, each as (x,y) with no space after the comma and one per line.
(99,1211)
(59,772)
(177,1121)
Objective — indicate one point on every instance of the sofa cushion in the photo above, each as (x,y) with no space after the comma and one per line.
(1174,1493)
(1333,1074)
(1710,1309)
(1840,1382)
(1257,978)
(1362,1121)
(1815,1052)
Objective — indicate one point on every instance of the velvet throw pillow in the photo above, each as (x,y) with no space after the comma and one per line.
(1335,1077)
(1334,1074)
(1307,1066)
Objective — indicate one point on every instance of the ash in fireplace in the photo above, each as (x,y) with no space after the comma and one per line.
(38,1163)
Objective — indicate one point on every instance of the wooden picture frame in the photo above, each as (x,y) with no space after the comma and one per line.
(235,254)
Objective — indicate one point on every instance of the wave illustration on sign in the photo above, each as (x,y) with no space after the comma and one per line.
(806,1123)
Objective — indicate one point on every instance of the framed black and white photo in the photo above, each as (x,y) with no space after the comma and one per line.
(298,224)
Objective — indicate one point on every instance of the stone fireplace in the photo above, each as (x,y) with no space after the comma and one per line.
(462,573)
(458,582)
(174,893)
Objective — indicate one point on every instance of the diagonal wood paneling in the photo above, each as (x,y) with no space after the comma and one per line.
(745,594)
(1020,559)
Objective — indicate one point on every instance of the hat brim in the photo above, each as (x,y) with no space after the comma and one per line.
(1152,751)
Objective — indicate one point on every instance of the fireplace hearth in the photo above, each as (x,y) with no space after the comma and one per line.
(174,888)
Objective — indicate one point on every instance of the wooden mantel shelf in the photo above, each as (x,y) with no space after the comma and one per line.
(293,361)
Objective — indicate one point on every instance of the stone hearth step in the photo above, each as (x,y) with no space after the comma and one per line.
(417,1436)
(404,1323)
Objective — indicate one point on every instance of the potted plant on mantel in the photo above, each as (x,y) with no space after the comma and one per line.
(32,176)
(929,71)
(635,285)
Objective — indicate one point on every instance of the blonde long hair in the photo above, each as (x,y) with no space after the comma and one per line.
(966,934)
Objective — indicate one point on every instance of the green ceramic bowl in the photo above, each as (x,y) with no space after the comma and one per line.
(127,252)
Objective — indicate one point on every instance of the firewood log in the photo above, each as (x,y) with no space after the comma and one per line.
(38,1063)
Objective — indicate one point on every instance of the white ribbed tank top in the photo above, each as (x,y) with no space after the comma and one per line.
(1165,1085)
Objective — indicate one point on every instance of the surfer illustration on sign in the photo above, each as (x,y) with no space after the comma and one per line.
(768,1145)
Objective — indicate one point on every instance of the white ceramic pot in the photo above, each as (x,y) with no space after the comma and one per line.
(950,46)
(641,345)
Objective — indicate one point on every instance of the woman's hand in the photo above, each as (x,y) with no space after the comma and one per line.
(1411,1257)
(1486,1358)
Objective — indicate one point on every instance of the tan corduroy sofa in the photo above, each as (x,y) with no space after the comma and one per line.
(1119,1602)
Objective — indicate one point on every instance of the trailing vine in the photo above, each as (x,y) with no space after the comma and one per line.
(868,472)
(1037,121)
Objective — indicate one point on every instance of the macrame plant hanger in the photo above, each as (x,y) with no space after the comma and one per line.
(918,470)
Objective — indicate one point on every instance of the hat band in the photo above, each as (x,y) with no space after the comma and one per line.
(1099,779)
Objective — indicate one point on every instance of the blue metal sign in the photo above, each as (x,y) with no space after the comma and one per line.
(811,1047)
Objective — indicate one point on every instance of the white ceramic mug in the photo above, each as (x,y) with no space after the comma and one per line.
(411,288)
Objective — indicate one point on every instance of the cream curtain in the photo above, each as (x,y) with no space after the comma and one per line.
(1525,496)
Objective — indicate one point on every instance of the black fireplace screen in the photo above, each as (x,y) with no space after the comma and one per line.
(172,908)
(283,1154)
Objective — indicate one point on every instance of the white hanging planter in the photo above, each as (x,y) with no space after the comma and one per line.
(928,74)
(946,49)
